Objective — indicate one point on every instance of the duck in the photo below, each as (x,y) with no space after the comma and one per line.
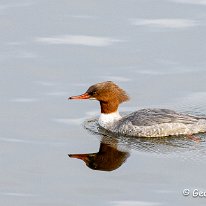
(147,122)
(108,158)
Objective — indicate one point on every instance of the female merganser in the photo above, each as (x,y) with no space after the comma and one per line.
(142,123)
(108,158)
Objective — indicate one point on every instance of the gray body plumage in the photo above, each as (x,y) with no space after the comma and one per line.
(158,123)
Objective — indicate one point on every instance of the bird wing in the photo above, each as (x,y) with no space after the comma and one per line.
(149,117)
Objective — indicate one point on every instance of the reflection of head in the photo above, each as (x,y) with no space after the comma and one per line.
(107,159)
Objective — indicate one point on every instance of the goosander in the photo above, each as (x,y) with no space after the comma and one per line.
(108,158)
(142,123)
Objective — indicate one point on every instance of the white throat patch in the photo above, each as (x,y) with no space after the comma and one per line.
(107,120)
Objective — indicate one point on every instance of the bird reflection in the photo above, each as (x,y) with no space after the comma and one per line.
(111,155)
(108,158)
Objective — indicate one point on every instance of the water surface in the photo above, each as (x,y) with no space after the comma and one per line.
(50,50)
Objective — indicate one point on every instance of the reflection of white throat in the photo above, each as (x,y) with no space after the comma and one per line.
(107,120)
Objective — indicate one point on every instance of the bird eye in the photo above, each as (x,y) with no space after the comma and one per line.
(93,93)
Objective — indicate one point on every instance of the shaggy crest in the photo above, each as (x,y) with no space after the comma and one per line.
(107,91)
(108,94)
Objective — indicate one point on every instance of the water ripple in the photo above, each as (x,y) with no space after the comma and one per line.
(17,194)
(200,2)
(24,100)
(78,40)
(172,146)
(165,23)
(134,203)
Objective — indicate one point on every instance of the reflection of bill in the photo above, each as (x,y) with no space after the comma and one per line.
(107,159)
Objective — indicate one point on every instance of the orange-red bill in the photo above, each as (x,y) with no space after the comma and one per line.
(83,96)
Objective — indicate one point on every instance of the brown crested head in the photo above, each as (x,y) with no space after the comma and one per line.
(107,93)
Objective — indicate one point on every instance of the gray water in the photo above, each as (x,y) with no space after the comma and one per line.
(50,50)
